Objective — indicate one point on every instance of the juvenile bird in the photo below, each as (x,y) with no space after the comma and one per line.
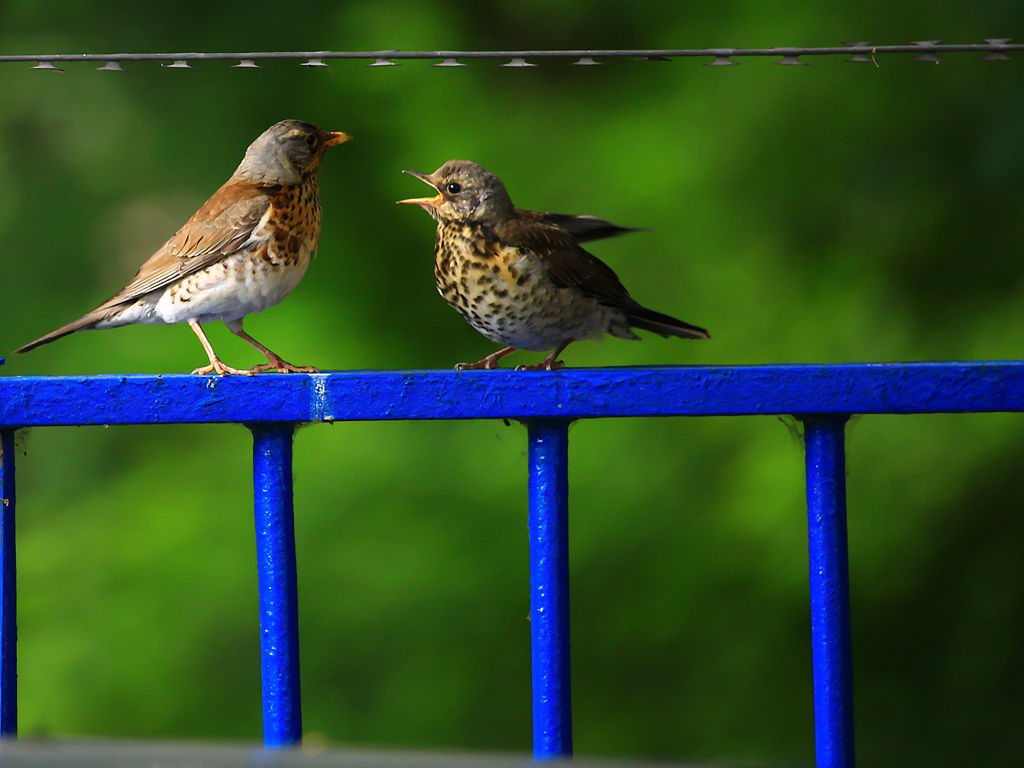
(521,279)
(242,251)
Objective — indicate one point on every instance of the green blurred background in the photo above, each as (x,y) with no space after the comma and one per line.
(827,213)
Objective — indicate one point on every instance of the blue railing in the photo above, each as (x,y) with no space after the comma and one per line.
(821,396)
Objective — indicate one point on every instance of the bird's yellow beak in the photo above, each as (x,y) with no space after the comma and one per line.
(337,137)
(423,201)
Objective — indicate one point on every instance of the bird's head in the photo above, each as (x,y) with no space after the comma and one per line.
(287,152)
(465,193)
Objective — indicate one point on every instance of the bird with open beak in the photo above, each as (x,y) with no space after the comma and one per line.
(522,279)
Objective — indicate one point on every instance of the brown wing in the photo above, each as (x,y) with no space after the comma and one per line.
(583,228)
(222,225)
(569,266)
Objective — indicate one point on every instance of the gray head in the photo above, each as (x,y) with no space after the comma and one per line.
(466,192)
(287,152)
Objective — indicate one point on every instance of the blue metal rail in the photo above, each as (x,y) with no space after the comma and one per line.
(822,396)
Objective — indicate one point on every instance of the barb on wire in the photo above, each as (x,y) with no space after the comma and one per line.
(995,49)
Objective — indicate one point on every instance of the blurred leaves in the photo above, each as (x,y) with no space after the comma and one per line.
(827,213)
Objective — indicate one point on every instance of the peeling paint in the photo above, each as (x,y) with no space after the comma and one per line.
(318,402)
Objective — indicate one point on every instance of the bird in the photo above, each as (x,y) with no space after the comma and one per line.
(521,278)
(243,251)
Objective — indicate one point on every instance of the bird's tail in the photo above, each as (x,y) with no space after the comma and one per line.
(83,323)
(666,325)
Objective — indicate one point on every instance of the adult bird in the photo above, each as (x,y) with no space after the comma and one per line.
(244,250)
(521,279)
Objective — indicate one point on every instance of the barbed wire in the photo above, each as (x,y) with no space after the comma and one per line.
(863,51)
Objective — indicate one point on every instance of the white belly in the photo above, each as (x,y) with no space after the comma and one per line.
(228,290)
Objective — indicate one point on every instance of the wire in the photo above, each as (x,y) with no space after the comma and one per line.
(924,50)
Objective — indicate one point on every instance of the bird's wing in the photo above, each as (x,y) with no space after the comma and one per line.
(219,228)
(582,228)
(568,265)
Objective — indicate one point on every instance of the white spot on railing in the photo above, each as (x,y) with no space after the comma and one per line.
(318,404)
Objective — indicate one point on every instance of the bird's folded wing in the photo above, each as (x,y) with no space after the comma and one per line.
(219,228)
(582,228)
(568,265)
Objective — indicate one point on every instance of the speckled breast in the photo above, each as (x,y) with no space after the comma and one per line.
(504,292)
(262,272)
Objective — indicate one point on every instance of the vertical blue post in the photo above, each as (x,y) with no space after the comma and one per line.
(275,553)
(830,591)
(8,592)
(549,587)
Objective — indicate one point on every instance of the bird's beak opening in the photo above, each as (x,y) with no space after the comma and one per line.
(337,137)
(423,202)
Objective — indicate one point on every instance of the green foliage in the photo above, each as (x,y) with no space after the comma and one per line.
(834,212)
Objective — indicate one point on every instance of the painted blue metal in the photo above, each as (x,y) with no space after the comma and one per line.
(830,591)
(573,393)
(279,613)
(822,395)
(549,587)
(8,592)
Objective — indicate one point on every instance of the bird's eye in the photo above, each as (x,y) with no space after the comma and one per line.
(453,188)
(310,140)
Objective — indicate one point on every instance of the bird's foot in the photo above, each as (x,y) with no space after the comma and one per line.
(480,365)
(216,366)
(488,363)
(544,365)
(277,365)
(549,363)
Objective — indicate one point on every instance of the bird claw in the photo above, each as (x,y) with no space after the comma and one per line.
(219,368)
(282,366)
(487,364)
(544,365)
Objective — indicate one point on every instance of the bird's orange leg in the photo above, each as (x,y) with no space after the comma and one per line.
(549,363)
(489,362)
(277,363)
(215,366)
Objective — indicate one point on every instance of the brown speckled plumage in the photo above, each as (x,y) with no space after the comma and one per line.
(244,250)
(521,278)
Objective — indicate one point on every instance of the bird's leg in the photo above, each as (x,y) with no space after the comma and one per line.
(277,363)
(489,362)
(549,363)
(215,366)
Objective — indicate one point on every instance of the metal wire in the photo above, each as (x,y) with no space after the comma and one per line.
(924,50)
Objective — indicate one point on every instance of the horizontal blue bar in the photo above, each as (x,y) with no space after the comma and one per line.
(574,393)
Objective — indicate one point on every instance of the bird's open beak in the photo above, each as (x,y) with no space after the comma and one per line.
(423,201)
(337,137)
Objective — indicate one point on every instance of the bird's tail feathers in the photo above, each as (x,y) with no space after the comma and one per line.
(666,325)
(83,323)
